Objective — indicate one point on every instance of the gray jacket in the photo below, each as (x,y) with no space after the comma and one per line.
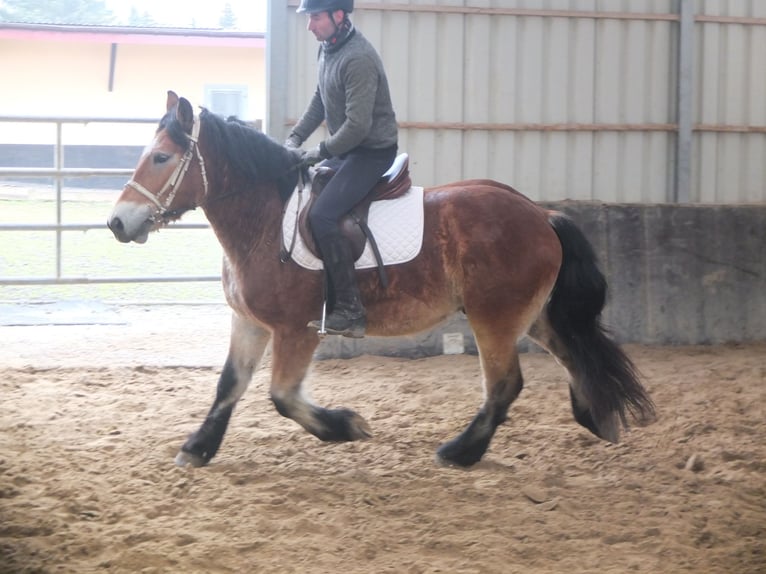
(353,98)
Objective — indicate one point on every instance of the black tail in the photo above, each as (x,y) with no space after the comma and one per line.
(605,376)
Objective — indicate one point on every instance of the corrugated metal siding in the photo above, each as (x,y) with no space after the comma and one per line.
(559,100)
(731,94)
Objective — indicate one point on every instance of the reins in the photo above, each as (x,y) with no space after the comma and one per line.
(300,185)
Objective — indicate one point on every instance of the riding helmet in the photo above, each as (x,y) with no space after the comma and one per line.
(314,6)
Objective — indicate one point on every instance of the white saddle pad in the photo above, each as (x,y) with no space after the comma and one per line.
(396,225)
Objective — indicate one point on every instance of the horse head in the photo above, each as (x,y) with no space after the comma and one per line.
(160,191)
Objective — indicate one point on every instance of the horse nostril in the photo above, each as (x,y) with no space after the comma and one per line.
(115,224)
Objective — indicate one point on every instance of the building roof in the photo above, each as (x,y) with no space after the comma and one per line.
(131,35)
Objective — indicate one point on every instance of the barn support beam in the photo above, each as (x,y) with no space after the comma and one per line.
(685,95)
(112,65)
(276,65)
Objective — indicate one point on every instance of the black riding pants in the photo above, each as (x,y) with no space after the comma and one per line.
(356,174)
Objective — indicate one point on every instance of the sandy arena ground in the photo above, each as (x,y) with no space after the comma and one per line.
(93,415)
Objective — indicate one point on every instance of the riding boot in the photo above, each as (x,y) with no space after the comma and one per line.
(348,317)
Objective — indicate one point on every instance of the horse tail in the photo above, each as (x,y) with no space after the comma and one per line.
(605,383)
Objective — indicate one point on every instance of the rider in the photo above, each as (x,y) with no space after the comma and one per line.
(353,99)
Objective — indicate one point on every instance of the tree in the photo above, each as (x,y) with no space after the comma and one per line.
(140,19)
(228,19)
(92,12)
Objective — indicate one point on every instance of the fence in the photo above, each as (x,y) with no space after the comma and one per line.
(59,173)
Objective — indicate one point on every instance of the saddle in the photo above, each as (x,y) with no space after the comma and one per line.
(393,183)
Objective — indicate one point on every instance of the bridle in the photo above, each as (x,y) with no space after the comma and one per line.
(177,176)
(163,213)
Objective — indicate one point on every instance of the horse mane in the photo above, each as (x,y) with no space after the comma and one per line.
(251,154)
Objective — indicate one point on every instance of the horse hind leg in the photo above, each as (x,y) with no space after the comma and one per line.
(605,385)
(503,382)
(247,344)
(292,353)
(543,334)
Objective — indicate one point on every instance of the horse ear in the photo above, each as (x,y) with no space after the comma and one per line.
(185,114)
(172,100)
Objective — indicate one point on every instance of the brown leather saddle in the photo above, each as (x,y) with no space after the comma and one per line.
(392,184)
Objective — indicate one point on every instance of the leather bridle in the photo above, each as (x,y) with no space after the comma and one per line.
(172,184)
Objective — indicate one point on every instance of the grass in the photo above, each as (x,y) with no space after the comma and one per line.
(96,254)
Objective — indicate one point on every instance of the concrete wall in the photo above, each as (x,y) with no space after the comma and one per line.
(681,274)
(677,274)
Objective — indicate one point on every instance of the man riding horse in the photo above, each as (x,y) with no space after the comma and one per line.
(353,99)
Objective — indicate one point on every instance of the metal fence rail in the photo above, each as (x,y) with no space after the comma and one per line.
(58,173)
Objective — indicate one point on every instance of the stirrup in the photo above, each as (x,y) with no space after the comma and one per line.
(354,330)
(349,327)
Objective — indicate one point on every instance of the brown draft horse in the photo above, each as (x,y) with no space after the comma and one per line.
(512,267)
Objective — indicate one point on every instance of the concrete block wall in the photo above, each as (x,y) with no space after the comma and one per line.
(677,275)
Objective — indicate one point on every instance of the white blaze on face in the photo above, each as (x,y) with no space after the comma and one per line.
(148,149)
(137,217)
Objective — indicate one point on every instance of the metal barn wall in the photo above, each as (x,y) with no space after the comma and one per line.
(729,155)
(563,99)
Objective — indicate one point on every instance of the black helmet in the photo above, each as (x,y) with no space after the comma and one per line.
(314,6)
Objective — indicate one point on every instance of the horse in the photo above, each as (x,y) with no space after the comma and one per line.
(513,268)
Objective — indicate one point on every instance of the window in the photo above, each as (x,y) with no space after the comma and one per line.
(227,100)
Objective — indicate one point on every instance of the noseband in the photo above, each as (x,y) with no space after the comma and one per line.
(177,176)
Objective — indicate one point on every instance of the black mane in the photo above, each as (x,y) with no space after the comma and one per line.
(251,154)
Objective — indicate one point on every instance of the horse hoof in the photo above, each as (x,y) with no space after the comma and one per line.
(439,460)
(340,425)
(358,429)
(184,458)
(449,455)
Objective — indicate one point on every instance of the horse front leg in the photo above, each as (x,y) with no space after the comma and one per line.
(246,347)
(292,352)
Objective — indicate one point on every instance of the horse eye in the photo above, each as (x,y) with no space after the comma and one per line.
(161,157)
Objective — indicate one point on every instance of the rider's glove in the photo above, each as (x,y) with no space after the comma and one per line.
(296,154)
(293,141)
(315,155)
